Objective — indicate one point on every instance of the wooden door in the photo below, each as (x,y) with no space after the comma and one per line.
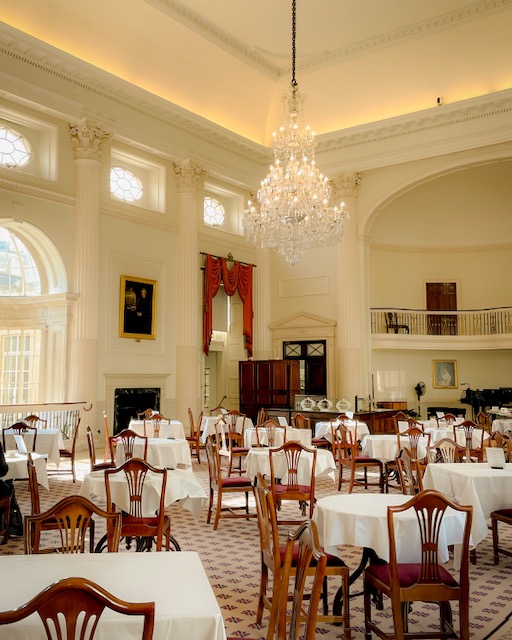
(442,296)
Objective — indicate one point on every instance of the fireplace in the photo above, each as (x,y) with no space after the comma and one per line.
(129,401)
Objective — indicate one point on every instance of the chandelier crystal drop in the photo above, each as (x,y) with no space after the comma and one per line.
(293,214)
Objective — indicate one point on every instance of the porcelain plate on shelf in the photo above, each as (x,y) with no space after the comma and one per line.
(307,404)
(343,405)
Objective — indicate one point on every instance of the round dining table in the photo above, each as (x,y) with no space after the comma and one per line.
(169,453)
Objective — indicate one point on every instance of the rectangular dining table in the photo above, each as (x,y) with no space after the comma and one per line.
(172,429)
(474,484)
(168,453)
(182,486)
(186,607)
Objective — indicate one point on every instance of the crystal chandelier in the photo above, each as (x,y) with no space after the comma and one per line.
(293,214)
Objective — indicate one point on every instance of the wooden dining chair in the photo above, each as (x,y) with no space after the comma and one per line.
(345,448)
(505,517)
(445,450)
(302,558)
(77,602)
(73,519)
(157,419)
(225,486)
(400,416)
(266,433)
(413,435)
(135,522)
(300,421)
(144,415)
(69,453)
(410,474)
(467,429)
(96,466)
(425,581)
(272,554)
(35,421)
(194,439)
(290,488)
(236,420)
(20,429)
(127,439)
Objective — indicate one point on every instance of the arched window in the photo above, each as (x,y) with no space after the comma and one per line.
(33,330)
(18,272)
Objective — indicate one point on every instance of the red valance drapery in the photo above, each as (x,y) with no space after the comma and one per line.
(239,278)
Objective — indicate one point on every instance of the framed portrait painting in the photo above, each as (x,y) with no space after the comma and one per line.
(444,374)
(137,308)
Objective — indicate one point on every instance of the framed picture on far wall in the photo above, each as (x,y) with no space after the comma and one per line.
(137,308)
(444,374)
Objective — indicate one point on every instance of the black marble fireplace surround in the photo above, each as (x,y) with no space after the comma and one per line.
(127,402)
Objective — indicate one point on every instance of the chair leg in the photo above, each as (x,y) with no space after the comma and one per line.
(495,540)
(263,591)
(210,506)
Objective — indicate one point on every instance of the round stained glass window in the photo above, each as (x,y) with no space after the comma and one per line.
(125,185)
(15,149)
(214,213)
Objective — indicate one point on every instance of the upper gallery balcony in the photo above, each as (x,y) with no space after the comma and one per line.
(418,329)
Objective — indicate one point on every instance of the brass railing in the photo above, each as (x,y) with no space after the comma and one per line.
(475,322)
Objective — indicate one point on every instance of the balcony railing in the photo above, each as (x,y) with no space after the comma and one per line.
(415,322)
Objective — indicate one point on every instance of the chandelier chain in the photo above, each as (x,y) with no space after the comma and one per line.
(294,36)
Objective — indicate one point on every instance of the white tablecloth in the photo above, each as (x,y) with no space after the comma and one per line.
(384,446)
(208,426)
(161,453)
(475,484)
(258,461)
(323,429)
(502,425)
(299,435)
(172,430)
(18,468)
(48,443)
(181,485)
(186,607)
(361,520)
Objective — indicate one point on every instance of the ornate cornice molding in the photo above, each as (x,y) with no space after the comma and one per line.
(39,55)
(422,122)
(36,192)
(261,60)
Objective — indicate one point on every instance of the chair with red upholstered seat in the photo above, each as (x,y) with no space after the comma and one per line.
(292,487)
(225,486)
(70,453)
(96,466)
(126,439)
(345,448)
(424,581)
(77,603)
(266,433)
(474,450)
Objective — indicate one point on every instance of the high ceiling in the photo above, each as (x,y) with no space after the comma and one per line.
(358,61)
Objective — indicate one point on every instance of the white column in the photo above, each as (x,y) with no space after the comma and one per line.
(352,333)
(190,179)
(262,346)
(87,141)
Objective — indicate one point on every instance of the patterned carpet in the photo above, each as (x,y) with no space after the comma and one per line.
(230,557)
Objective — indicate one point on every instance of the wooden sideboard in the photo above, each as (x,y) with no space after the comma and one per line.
(378,421)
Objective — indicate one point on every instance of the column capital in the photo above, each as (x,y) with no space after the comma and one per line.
(346,185)
(189,175)
(87,140)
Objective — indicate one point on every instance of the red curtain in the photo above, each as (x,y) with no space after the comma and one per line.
(239,278)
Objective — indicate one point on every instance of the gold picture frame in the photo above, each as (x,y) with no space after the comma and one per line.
(137,308)
(445,374)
